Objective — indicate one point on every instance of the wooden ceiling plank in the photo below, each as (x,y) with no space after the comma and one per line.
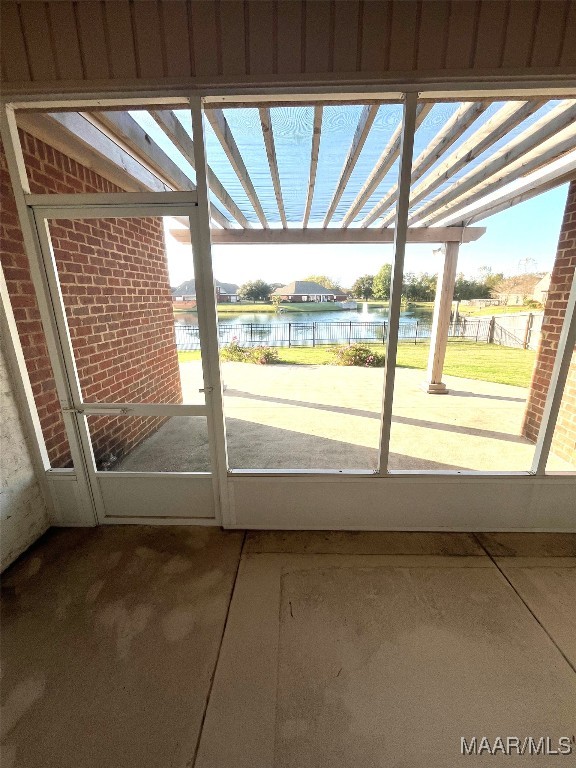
(178,135)
(383,165)
(460,121)
(317,132)
(35,25)
(67,56)
(92,40)
(529,141)
(222,130)
(13,48)
(367,117)
(268,134)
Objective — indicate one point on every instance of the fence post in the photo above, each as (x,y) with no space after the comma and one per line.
(384,333)
(491,328)
(313,334)
(350,333)
(477,329)
(289,334)
(416,336)
(251,336)
(464,328)
(528,331)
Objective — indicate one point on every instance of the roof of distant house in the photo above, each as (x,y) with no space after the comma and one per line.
(188,288)
(304,288)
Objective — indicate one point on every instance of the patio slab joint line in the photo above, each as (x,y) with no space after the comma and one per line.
(536,619)
(215,667)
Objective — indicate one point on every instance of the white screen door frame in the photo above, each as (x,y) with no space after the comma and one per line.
(134,496)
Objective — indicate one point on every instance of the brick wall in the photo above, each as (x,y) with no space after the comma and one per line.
(118,304)
(564,443)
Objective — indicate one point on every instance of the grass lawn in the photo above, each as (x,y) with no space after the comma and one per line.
(486,362)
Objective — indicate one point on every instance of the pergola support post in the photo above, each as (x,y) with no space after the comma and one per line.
(441,321)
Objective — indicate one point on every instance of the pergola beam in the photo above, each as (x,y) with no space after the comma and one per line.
(545,154)
(532,187)
(460,121)
(319,236)
(385,162)
(268,135)
(178,135)
(525,147)
(222,130)
(507,118)
(61,129)
(367,117)
(316,134)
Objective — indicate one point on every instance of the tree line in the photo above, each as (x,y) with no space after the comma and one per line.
(419,286)
(422,286)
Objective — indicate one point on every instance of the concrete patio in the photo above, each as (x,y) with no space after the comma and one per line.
(327,417)
(156,647)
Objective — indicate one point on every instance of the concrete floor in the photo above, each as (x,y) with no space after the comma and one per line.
(326,417)
(178,647)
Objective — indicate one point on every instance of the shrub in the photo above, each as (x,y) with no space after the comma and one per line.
(262,355)
(234,353)
(357,354)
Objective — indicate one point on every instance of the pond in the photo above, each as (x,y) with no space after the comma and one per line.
(287,328)
(373,315)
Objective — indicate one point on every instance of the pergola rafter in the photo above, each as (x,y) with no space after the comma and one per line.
(367,117)
(116,145)
(460,121)
(385,162)
(507,118)
(122,126)
(530,144)
(222,130)
(175,131)
(533,186)
(316,134)
(542,156)
(268,134)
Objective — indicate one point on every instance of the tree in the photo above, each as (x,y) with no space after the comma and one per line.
(362,288)
(255,290)
(325,282)
(381,283)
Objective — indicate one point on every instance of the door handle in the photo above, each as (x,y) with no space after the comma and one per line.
(207,390)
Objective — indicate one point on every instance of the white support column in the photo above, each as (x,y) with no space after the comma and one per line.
(441,321)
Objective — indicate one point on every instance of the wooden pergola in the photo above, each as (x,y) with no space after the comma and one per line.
(452,183)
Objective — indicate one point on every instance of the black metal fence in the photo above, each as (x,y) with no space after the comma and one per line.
(484,330)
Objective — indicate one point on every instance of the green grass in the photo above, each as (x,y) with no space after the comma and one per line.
(186,357)
(485,362)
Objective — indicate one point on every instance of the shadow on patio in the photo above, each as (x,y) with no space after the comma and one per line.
(326,417)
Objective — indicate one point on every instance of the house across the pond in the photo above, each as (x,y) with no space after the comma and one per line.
(306,290)
(184,296)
